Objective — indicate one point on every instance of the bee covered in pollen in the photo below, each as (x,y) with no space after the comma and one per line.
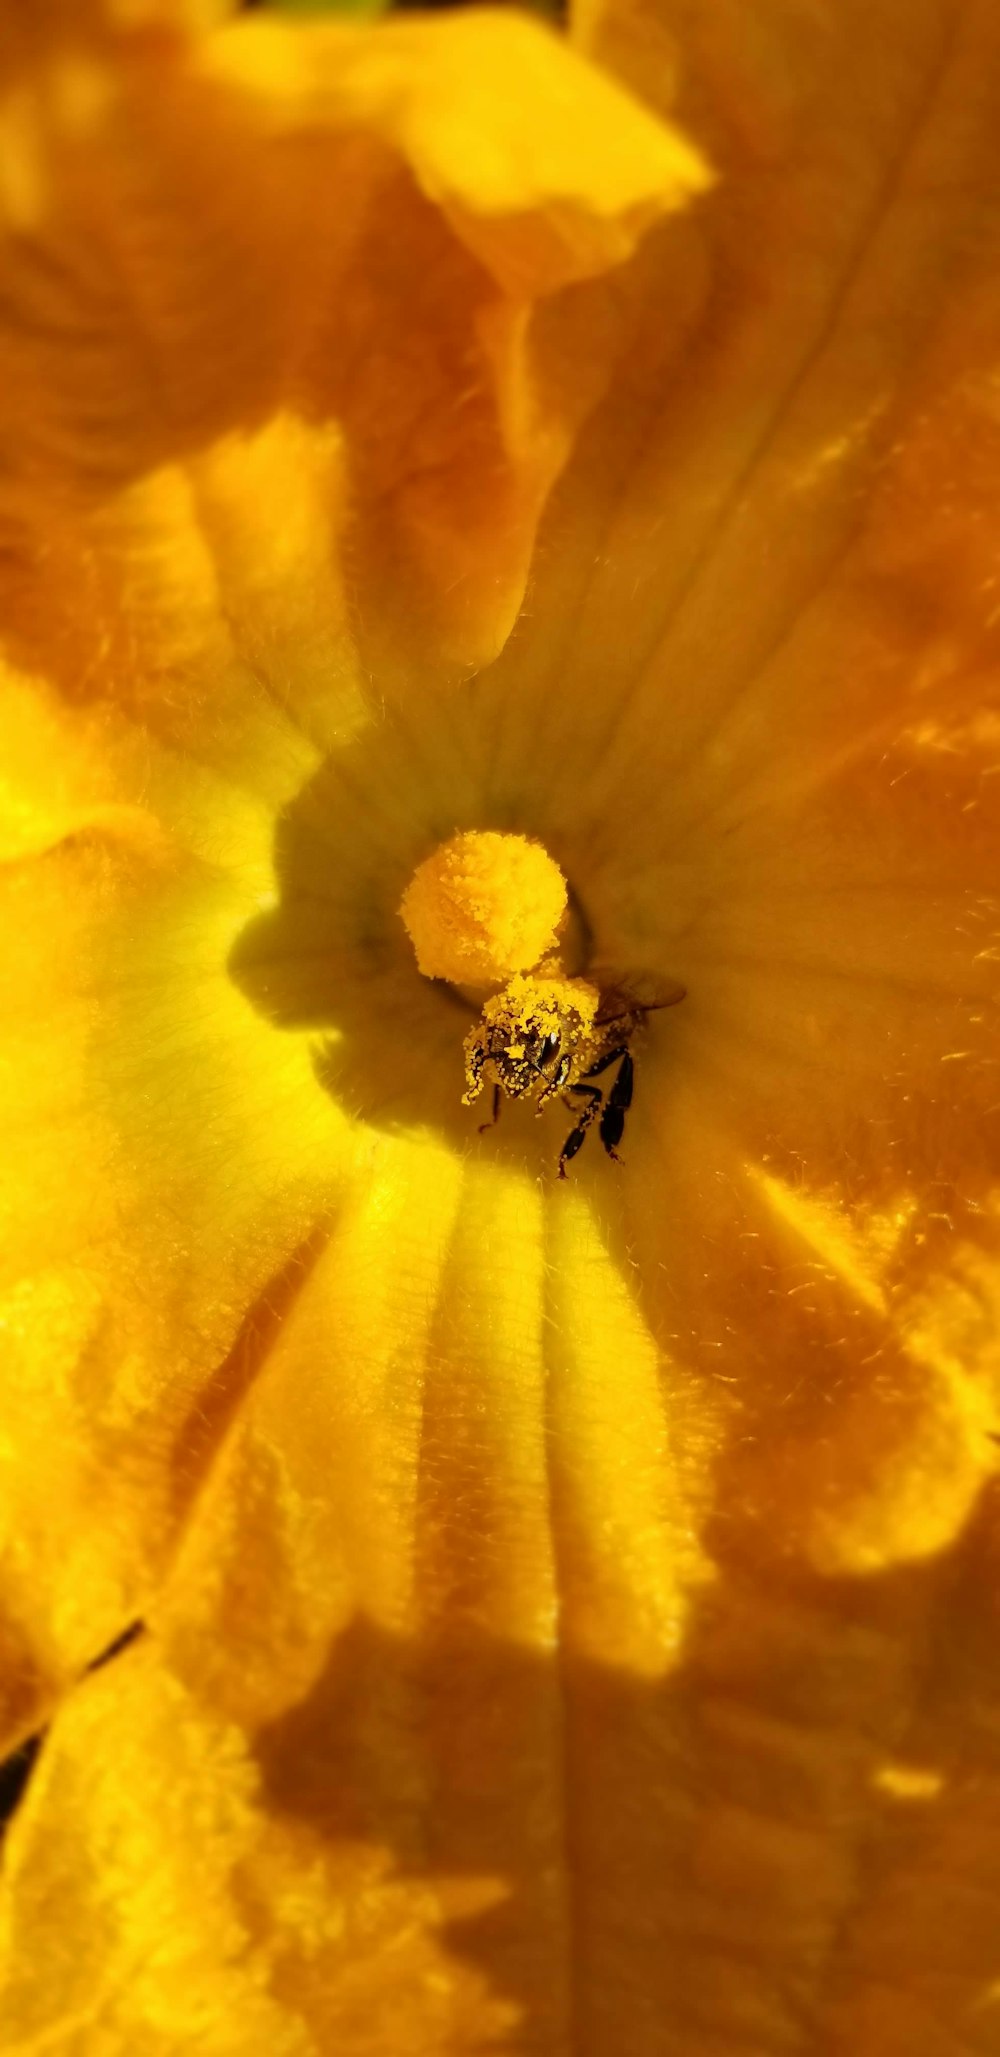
(545,1035)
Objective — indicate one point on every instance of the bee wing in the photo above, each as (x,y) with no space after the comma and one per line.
(634,992)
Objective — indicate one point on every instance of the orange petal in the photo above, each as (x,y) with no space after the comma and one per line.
(356,1666)
(169,348)
(587,1628)
(478,1742)
(174,280)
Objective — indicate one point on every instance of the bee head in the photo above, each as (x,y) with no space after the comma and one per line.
(522,1031)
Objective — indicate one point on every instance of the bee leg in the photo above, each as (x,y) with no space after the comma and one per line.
(573,1143)
(610,1057)
(612,1130)
(495,1116)
(575,1140)
(473,1077)
(621,1092)
(618,1100)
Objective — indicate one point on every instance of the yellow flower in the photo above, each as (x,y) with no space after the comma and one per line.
(570,1605)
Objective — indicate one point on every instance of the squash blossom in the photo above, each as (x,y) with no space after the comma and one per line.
(497,526)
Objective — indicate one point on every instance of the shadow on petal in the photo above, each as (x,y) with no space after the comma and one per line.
(748,1849)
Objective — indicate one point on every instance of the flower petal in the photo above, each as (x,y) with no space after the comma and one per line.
(778,776)
(178,363)
(173,279)
(479,1742)
(142,1245)
(428,1486)
(589,1618)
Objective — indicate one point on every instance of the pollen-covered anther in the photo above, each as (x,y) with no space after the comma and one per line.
(484,906)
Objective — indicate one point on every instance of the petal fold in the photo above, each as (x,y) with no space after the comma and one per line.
(175,277)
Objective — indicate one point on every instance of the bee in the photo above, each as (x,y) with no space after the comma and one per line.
(547,1036)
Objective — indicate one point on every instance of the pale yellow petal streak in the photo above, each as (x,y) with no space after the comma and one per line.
(623,1512)
(327,1456)
(627,1483)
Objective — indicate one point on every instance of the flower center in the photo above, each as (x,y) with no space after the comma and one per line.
(484,906)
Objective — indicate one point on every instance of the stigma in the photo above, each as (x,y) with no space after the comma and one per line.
(483,907)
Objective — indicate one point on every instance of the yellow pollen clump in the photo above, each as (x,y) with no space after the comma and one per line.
(541,1006)
(520,1019)
(483,906)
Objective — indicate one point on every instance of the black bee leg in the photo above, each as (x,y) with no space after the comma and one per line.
(618,1101)
(612,1130)
(621,1092)
(573,1143)
(611,1057)
(576,1138)
(495,1116)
